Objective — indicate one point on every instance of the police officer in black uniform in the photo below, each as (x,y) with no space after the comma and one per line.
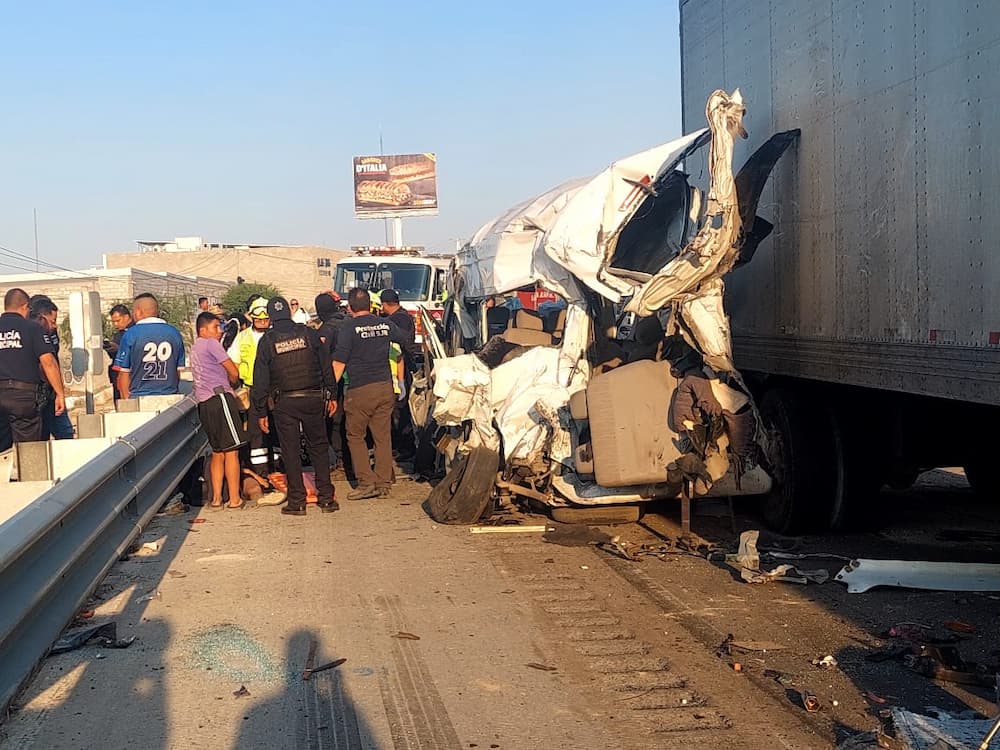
(290,369)
(23,350)
(327,307)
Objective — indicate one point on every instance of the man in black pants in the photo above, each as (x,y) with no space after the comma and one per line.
(327,306)
(402,424)
(363,354)
(290,369)
(23,350)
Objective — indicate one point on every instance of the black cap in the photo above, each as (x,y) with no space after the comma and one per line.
(277,309)
(389,295)
(326,306)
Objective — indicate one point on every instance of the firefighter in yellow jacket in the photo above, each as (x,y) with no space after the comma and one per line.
(243,352)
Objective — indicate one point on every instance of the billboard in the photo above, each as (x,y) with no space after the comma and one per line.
(396,185)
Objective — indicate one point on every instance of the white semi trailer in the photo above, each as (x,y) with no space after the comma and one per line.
(868,323)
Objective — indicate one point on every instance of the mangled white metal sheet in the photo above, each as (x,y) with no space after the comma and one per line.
(579,239)
(505,254)
(462,392)
(862,575)
(919,732)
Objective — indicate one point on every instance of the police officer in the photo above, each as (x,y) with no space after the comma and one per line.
(402,437)
(327,306)
(23,350)
(363,353)
(243,352)
(44,312)
(290,369)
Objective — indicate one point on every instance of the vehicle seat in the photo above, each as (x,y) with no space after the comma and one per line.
(526,329)
(528,319)
(497,320)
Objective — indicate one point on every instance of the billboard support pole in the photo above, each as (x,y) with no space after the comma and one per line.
(397,231)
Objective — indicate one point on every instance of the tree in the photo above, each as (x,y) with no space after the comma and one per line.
(234,301)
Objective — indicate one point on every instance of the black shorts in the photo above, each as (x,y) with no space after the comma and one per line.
(220,416)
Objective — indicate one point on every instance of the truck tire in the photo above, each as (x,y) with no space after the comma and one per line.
(466,491)
(983,478)
(597,515)
(859,460)
(803,461)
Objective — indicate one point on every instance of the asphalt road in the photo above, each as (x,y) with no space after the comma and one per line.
(501,640)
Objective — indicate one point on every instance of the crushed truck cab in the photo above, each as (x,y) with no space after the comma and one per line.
(624,388)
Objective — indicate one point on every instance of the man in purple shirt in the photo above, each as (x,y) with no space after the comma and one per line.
(214,375)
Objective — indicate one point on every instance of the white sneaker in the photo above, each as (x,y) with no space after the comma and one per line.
(272,498)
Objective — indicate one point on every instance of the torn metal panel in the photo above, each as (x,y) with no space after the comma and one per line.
(862,575)
(580,238)
(918,732)
(750,181)
(713,250)
(505,254)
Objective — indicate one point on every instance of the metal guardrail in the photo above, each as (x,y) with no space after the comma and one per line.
(55,552)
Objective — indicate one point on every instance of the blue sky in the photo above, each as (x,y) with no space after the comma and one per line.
(237,121)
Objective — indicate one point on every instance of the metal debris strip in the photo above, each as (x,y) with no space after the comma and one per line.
(404,636)
(541,667)
(860,575)
(242,692)
(747,562)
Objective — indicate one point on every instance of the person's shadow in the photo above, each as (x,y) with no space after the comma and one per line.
(311,714)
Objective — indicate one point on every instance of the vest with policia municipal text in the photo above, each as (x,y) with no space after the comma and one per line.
(295,361)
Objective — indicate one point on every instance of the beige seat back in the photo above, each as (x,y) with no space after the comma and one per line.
(527,337)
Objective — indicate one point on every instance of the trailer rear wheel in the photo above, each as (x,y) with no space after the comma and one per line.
(803,461)
(858,454)
(983,478)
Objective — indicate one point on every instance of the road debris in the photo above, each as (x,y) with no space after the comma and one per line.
(242,692)
(943,731)
(916,632)
(730,644)
(105,635)
(510,529)
(860,575)
(634,552)
(541,667)
(827,662)
(810,702)
(957,626)
(151,546)
(196,520)
(874,698)
(174,506)
(404,636)
(747,562)
(780,677)
(329,665)
(944,663)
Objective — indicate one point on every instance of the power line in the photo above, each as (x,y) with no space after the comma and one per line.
(27,258)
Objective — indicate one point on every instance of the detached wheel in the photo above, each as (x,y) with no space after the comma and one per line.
(803,461)
(464,494)
(597,515)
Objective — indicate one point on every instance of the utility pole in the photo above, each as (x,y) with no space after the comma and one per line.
(381,152)
(34,215)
